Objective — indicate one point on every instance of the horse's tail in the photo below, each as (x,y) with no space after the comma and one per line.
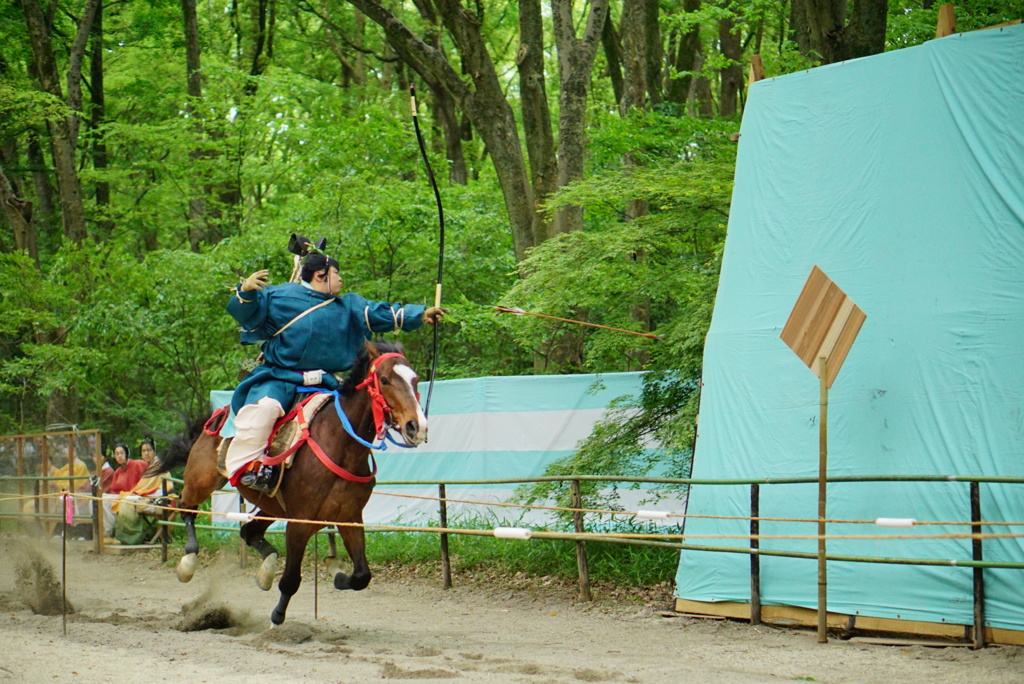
(176,453)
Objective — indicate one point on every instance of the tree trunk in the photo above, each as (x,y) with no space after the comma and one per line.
(703,102)
(732,73)
(445,111)
(484,102)
(835,40)
(575,62)
(655,54)
(97,115)
(63,132)
(634,55)
(613,55)
(684,59)
(865,34)
(798,31)
(45,215)
(197,218)
(540,139)
(19,212)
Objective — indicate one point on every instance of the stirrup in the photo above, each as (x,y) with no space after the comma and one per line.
(263,479)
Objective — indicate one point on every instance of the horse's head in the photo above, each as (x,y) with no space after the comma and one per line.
(390,377)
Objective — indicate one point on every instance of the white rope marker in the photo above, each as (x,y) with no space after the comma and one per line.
(895,522)
(238,516)
(652,515)
(511,533)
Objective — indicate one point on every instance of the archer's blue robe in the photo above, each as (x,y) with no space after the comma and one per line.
(328,338)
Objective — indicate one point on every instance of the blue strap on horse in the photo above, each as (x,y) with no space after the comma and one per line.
(347,424)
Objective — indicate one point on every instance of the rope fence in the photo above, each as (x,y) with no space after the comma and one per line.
(540,534)
(668,540)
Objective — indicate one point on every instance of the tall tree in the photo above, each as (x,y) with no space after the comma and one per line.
(540,139)
(97,116)
(837,34)
(198,223)
(483,98)
(64,131)
(731,78)
(575,62)
(682,55)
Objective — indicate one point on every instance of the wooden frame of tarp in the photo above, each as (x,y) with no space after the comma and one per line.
(47,509)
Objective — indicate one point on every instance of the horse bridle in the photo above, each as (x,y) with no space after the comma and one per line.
(382,413)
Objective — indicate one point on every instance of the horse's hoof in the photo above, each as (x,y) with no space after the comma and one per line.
(332,565)
(186,567)
(265,575)
(276,618)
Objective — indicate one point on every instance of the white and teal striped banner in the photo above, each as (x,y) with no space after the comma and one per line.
(491,429)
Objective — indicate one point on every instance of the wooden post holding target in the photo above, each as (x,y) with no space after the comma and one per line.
(821,329)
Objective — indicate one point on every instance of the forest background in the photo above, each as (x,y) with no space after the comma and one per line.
(152,152)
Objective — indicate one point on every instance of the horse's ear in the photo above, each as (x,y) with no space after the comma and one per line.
(371,350)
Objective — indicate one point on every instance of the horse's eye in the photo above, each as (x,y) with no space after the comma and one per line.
(385,381)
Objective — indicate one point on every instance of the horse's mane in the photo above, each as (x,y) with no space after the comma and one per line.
(177,450)
(362,365)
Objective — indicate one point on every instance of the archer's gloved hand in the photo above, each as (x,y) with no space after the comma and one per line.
(330,382)
(434,314)
(257,281)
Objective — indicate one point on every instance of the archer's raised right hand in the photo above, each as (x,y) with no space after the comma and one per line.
(257,281)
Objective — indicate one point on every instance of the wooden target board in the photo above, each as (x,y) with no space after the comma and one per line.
(824,322)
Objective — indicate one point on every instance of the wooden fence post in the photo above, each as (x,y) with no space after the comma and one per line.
(755,559)
(581,546)
(979,573)
(446,562)
(241,542)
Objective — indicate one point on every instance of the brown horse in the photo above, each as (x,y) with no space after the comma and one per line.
(310,490)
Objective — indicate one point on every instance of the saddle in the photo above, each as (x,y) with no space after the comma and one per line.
(287,434)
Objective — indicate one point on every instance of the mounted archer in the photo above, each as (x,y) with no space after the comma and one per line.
(309,333)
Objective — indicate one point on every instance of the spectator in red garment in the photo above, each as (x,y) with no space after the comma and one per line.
(127,473)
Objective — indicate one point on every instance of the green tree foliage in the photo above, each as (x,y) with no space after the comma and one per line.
(665,263)
(303,126)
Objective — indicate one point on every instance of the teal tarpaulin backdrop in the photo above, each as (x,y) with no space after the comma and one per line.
(902,177)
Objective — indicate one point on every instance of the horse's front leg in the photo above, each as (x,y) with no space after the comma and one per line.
(296,537)
(354,539)
(252,533)
(187,564)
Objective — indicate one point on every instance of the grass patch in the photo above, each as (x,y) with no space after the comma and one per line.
(610,562)
(618,564)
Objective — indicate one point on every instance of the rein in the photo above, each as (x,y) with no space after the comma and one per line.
(381,422)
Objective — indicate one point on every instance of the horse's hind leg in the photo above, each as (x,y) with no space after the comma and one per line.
(355,543)
(252,533)
(296,537)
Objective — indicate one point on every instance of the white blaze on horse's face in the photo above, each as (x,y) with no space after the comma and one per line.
(420,434)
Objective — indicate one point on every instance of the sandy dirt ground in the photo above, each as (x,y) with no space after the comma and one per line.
(134,621)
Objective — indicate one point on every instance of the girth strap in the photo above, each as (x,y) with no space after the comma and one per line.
(299,414)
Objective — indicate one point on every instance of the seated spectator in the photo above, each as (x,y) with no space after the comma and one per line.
(137,523)
(148,486)
(127,473)
(127,470)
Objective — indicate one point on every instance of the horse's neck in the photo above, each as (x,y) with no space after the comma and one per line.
(359,409)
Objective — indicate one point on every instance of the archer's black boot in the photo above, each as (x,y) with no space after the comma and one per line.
(266,479)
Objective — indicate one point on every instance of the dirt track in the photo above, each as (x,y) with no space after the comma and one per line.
(131,612)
